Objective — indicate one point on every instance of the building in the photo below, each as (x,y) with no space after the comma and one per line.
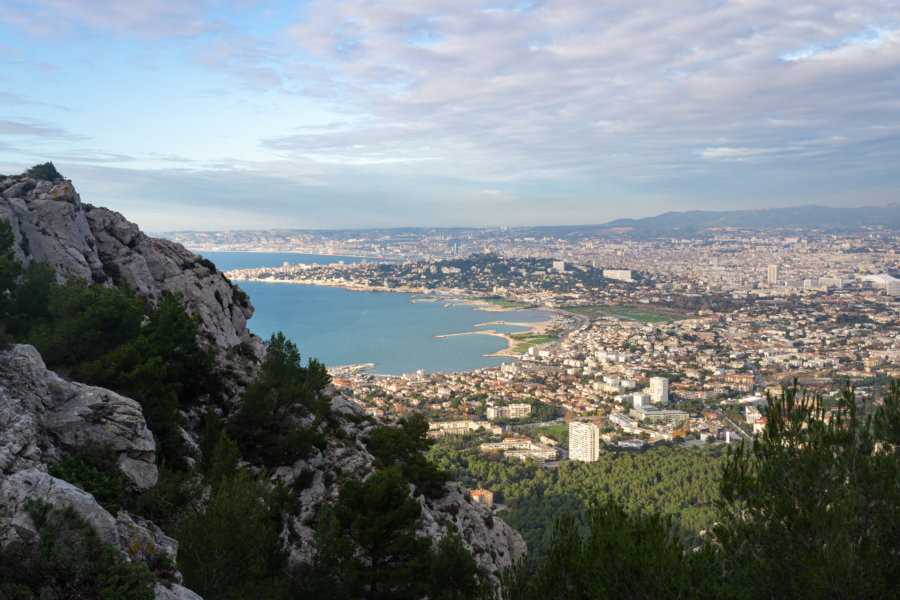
(618,274)
(772,274)
(584,441)
(485,497)
(442,428)
(654,414)
(659,390)
(513,411)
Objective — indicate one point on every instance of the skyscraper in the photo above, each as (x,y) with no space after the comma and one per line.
(659,390)
(584,441)
(773,274)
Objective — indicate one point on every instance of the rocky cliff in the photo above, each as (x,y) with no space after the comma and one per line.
(493,544)
(42,416)
(50,223)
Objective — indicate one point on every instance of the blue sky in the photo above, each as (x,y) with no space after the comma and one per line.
(322,114)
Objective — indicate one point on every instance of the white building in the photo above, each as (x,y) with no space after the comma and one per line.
(659,390)
(772,274)
(617,274)
(513,411)
(584,441)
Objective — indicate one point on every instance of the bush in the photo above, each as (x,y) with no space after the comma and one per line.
(233,550)
(46,171)
(69,560)
(95,469)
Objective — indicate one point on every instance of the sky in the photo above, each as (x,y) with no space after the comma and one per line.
(237,114)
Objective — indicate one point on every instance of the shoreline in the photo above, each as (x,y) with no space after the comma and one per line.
(454,298)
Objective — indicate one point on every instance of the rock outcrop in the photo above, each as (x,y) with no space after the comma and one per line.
(494,544)
(49,222)
(41,413)
(41,416)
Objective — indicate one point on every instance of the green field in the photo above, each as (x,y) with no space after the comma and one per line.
(560,433)
(633,313)
(504,303)
(527,340)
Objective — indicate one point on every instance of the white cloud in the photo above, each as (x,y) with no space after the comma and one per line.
(433,101)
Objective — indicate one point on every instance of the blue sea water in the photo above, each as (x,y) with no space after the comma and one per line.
(341,327)
(228,261)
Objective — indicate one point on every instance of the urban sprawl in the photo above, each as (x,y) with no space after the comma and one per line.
(665,339)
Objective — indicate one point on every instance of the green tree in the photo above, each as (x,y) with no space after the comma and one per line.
(403,446)
(621,556)
(453,574)
(233,548)
(9,271)
(813,511)
(377,518)
(267,426)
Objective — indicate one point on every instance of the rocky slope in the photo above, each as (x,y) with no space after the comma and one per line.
(49,222)
(41,414)
(494,544)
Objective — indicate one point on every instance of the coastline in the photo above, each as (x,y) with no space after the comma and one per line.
(453,298)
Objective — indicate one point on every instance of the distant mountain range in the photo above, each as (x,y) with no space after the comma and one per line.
(695,222)
(803,217)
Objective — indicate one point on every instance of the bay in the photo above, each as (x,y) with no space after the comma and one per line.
(229,261)
(340,327)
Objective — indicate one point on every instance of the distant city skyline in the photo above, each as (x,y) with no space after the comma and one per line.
(321,114)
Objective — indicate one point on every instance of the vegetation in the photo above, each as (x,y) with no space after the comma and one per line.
(95,469)
(366,547)
(107,336)
(504,303)
(10,268)
(232,549)
(268,426)
(402,447)
(643,314)
(823,494)
(679,483)
(810,512)
(69,560)
(524,341)
(45,171)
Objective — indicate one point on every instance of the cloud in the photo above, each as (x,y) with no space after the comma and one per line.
(151,19)
(522,85)
(414,107)
(38,130)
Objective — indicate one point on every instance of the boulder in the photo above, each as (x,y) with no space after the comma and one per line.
(41,414)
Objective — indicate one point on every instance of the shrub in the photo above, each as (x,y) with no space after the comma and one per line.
(46,172)
(95,469)
(69,560)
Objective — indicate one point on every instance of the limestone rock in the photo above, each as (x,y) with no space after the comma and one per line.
(41,413)
(174,592)
(16,489)
(50,223)
(143,541)
(494,544)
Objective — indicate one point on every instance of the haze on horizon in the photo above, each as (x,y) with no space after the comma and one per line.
(241,114)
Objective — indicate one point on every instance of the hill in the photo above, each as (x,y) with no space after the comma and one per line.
(140,395)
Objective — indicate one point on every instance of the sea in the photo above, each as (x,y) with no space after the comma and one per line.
(395,331)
